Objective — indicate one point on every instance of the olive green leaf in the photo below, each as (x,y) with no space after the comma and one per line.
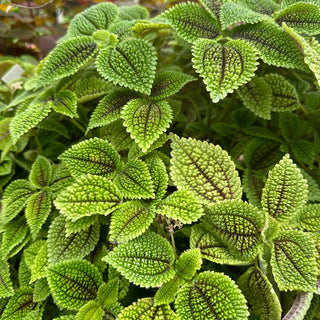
(205,169)
(224,67)
(93,156)
(303,151)
(61,178)
(90,311)
(131,64)
(6,287)
(211,295)
(212,6)
(41,172)
(260,294)
(301,307)
(262,6)
(286,3)
(168,291)
(73,283)
(308,217)
(41,290)
(80,224)
(65,102)
(133,12)
(108,293)
(252,185)
(40,263)
(188,263)
(285,191)
(146,261)
(89,195)
(31,252)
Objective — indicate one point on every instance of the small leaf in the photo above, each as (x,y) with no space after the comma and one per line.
(90,311)
(6,288)
(66,103)
(130,64)
(189,263)
(224,67)
(41,290)
(211,295)
(108,293)
(168,291)
(73,283)
(205,169)
(88,196)
(146,261)
(308,217)
(61,178)
(262,6)
(39,265)
(133,12)
(41,172)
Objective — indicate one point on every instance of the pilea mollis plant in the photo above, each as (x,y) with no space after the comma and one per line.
(166,167)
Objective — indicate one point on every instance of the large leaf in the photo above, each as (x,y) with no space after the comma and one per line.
(131,64)
(41,172)
(308,217)
(88,196)
(73,283)
(6,288)
(224,67)
(146,120)
(211,296)
(146,261)
(205,169)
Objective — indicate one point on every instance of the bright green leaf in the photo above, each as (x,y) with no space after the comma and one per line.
(6,288)
(90,311)
(108,293)
(189,263)
(66,103)
(39,265)
(133,12)
(308,217)
(41,172)
(41,290)
(168,291)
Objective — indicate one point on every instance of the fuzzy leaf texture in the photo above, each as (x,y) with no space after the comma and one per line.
(211,296)
(61,178)
(41,290)
(41,172)
(73,283)
(66,103)
(192,22)
(133,12)
(285,191)
(131,64)
(308,217)
(40,263)
(94,156)
(67,58)
(108,293)
(6,287)
(88,196)
(224,67)
(146,261)
(293,261)
(204,169)
(168,291)
(90,311)
(188,263)
(266,7)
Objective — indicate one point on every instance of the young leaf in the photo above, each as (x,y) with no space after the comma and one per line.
(189,263)
(192,22)
(238,225)
(24,273)
(108,293)
(308,217)
(146,261)
(293,261)
(129,221)
(90,311)
(146,120)
(211,296)
(303,151)
(80,224)
(134,182)
(88,196)
(260,294)
(205,169)
(39,265)
(6,288)
(133,12)
(31,252)
(224,67)
(131,64)
(74,246)
(285,191)
(41,172)
(41,290)
(168,291)
(94,156)
(67,58)
(66,103)
(300,307)
(73,283)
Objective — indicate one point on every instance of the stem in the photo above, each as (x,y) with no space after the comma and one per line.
(173,245)
(19,163)
(78,125)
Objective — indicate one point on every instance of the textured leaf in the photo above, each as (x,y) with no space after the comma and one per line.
(24,273)
(108,293)
(39,265)
(61,178)
(74,246)
(303,151)
(131,64)
(192,22)
(93,156)
(286,3)
(109,108)
(285,191)
(31,252)
(252,185)
(189,263)
(129,221)
(168,291)
(308,217)
(260,294)
(6,288)
(144,27)
(80,224)
(52,125)
(67,58)
(73,283)
(41,172)
(289,125)
(181,205)
(146,120)
(66,103)
(262,6)
(133,12)
(98,17)
(293,262)
(134,182)
(205,169)
(212,6)
(238,225)
(38,210)
(88,196)
(211,296)
(90,311)
(300,307)
(41,290)
(224,67)
(146,261)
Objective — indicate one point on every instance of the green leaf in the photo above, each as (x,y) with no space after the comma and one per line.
(293,261)
(238,225)
(303,151)
(66,103)
(146,261)
(52,125)
(262,6)
(134,182)
(41,172)
(168,291)
(129,221)
(286,3)
(24,273)
(80,224)
(192,22)
(289,125)
(73,283)
(41,290)
(88,196)
(212,6)
(224,67)
(205,169)
(308,217)
(302,17)
(182,205)
(31,252)
(61,178)
(133,12)
(260,294)
(39,265)
(6,288)
(108,293)
(90,311)
(37,211)
(67,58)
(131,64)
(211,296)
(189,263)
(285,191)
(74,246)
(252,186)
(146,120)
(94,156)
